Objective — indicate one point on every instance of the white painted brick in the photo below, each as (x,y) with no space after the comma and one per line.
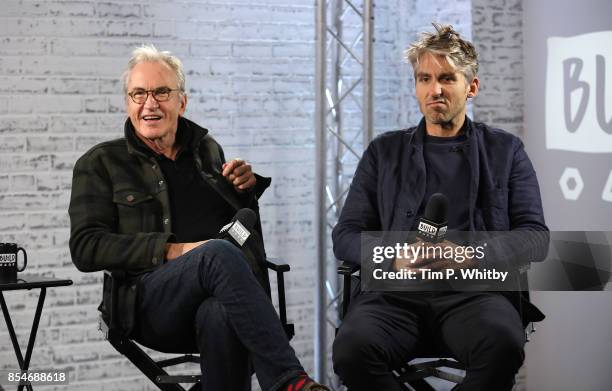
(61,239)
(116,103)
(42,144)
(12,144)
(12,163)
(83,143)
(18,8)
(23,182)
(294,86)
(110,86)
(252,85)
(54,181)
(208,85)
(164,29)
(189,30)
(22,46)
(245,67)
(95,105)
(69,85)
(117,10)
(162,11)
(4,182)
(64,161)
(60,66)
(47,220)
(73,123)
(72,47)
(10,65)
(60,27)
(294,50)
(140,29)
(112,124)
(255,13)
(10,221)
(29,201)
(287,32)
(207,13)
(70,9)
(117,29)
(45,104)
(22,85)
(12,26)
(252,49)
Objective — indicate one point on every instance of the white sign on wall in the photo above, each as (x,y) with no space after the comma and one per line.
(579,93)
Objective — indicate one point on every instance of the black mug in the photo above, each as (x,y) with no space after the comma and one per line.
(8,262)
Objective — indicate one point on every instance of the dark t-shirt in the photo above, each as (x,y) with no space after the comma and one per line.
(198,211)
(448,172)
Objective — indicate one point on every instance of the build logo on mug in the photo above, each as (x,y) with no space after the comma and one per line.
(8,262)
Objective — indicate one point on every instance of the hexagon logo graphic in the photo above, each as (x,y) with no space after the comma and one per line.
(571,191)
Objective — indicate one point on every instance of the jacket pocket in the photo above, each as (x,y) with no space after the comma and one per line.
(136,211)
(494,209)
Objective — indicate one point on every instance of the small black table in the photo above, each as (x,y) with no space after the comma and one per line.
(28,282)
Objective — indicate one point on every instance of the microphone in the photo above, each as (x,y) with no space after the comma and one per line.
(239,229)
(434,223)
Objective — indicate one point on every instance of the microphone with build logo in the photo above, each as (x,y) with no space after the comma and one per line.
(433,225)
(239,229)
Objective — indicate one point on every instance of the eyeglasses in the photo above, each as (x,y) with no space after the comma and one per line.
(161,94)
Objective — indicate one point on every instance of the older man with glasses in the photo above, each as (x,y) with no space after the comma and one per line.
(151,204)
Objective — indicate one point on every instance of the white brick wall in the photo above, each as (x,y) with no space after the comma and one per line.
(250,71)
(498,37)
(250,68)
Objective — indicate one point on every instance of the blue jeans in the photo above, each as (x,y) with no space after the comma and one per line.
(208,301)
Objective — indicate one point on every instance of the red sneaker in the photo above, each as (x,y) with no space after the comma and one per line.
(304,383)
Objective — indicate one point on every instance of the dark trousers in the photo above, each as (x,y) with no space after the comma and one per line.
(208,301)
(383,331)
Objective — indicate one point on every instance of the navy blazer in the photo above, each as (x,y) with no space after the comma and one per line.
(389,186)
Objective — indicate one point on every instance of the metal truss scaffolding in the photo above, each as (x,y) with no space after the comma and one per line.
(343,122)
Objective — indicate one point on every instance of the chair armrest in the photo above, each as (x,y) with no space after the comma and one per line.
(273,264)
(281,269)
(346,270)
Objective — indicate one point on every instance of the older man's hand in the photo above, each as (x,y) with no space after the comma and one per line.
(239,174)
(175,250)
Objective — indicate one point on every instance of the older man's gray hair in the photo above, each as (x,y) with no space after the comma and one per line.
(150,53)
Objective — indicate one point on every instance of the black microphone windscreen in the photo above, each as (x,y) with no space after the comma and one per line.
(247,218)
(436,209)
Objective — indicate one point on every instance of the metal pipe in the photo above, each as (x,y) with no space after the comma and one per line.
(320,351)
(368,65)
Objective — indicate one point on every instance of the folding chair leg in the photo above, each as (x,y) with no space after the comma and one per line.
(144,363)
(421,385)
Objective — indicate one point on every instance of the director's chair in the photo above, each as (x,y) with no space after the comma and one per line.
(430,364)
(155,370)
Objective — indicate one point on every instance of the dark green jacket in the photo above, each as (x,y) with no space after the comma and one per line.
(120,210)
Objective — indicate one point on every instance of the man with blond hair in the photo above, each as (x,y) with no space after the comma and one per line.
(150,204)
(491,186)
